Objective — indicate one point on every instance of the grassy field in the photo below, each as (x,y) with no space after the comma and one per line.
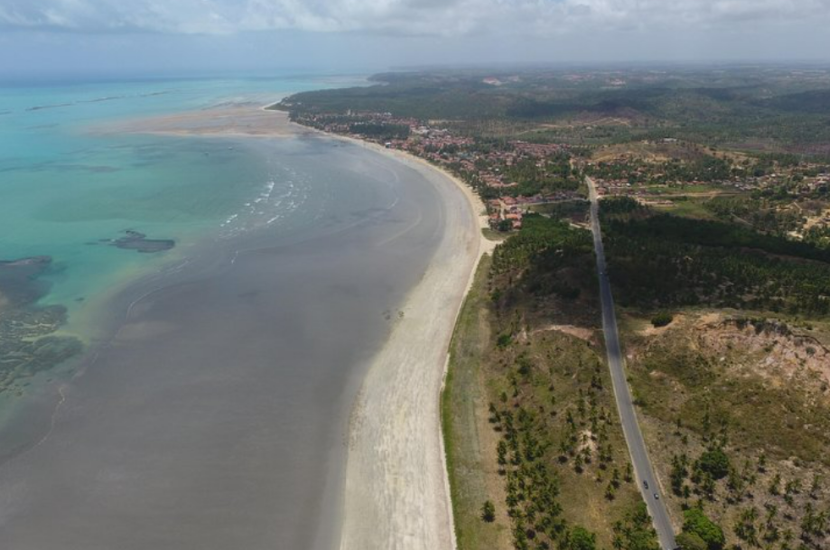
(493,235)
(463,412)
(733,391)
(755,387)
(689,208)
(567,394)
(691,189)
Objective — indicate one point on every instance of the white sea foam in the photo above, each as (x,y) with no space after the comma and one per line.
(270,206)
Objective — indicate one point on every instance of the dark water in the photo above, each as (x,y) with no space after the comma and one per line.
(215,417)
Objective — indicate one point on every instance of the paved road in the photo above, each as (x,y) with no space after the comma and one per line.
(643,471)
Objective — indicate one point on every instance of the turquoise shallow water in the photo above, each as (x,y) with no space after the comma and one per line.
(64,190)
(212,411)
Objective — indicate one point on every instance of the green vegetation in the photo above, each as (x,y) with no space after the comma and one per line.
(731,257)
(761,214)
(743,107)
(536,455)
(380,131)
(541,248)
(690,207)
(709,233)
(712,409)
(575,210)
(581,539)
(488,511)
(705,169)
(714,462)
(697,524)
(635,532)
(461,404)
(555,174)
(548,466)
(493,235)
(660,260)
(662,319)
(690,541)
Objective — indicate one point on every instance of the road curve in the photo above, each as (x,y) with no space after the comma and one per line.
(643,471)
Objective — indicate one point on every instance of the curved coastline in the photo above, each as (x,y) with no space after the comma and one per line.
(391,488)
(397,492)
(396,488)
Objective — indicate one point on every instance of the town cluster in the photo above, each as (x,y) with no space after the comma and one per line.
(509,174)
(484,168)
(626,176)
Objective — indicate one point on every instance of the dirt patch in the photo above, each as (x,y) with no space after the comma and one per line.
(651,330)
(768,348)
(753,385)
(582,333)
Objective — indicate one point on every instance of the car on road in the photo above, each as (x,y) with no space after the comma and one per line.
(645,484)
(656,496)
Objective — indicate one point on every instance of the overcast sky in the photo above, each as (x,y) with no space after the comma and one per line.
(147,36)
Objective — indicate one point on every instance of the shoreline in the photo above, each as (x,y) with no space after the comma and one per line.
(363,515)
(361,529)
(395,489)
(160,354)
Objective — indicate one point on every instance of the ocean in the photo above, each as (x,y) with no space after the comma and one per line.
(64,188)
(185,321)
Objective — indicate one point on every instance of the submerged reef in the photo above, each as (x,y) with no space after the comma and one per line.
(27,341)
(134,240)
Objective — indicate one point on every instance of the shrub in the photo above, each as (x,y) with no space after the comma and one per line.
(582,539)
(488,512)
(662,319)
(695,522)
(690,541)
(715,462)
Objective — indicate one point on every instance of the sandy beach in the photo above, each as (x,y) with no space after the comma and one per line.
(396,489)
(396,493)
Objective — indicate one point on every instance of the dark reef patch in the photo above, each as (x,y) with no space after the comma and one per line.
(27,342)
(134,240)
(18,280)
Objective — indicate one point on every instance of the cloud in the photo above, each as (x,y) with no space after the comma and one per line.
(408,17)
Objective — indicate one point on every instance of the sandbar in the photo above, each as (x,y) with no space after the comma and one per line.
(236,121)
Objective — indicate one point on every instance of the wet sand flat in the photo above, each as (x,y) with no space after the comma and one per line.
(216,417)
